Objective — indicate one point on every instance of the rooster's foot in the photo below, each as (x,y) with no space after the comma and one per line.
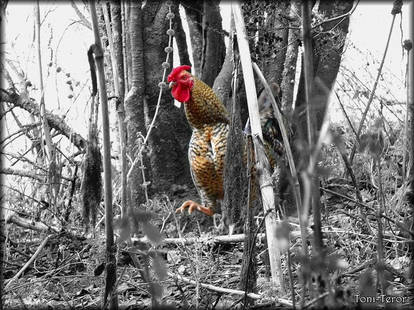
(191,205)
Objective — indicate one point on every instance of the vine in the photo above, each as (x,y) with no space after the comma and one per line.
(162,85)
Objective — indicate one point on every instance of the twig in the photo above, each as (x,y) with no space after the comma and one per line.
(351,174)
(226,290)
(371,97)
(399,225)
(349,13)
(315,300)
(34,256)
(83,19)
(346,115)
(53,120)
(215,288)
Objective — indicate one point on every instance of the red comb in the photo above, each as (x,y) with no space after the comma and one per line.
(173,75)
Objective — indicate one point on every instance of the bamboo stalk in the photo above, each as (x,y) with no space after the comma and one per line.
(264,177)
(110,248)
(288,150)
(121,113)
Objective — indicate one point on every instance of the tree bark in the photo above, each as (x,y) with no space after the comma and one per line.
(194,13)
(169,138)
(327,49)
(134,105)
(127,43)
(330,46)
(180,37)
(117,36)
(276,29)
(214,50)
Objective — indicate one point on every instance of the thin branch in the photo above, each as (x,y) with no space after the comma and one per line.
(84,21)
(214,288)
(53,120)
(346,115)
(48,147)
(34,256)
(22,173)
(398,224)
(374,87)
(349,13)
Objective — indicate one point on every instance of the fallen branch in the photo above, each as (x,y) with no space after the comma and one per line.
(215,288)
(226,290)
(34,256)
(27,223)
(216,239)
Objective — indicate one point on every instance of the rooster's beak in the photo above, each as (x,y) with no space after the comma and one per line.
(171,85)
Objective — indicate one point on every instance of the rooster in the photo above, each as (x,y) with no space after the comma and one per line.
(209,120)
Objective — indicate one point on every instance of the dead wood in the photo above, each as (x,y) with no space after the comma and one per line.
(53,120)
(30,224)
(226,239)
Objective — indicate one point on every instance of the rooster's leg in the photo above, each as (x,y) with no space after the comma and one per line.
(191,205)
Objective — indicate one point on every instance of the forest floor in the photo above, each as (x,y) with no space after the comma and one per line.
(69,273)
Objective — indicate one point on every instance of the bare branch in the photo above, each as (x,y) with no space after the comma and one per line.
(22,173)
(84,21)
(54,121)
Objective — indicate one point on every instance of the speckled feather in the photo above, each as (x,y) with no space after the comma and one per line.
(204,107)
(209,119)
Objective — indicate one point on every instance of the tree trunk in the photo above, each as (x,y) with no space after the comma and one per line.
(214,49)
(276,29)
(194,13)
(330,47)
(134,106)
(180,37)
(327,49)
(117,36)
(127,42)
(169,138)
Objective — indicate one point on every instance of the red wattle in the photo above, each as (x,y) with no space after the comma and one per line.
(180,93)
